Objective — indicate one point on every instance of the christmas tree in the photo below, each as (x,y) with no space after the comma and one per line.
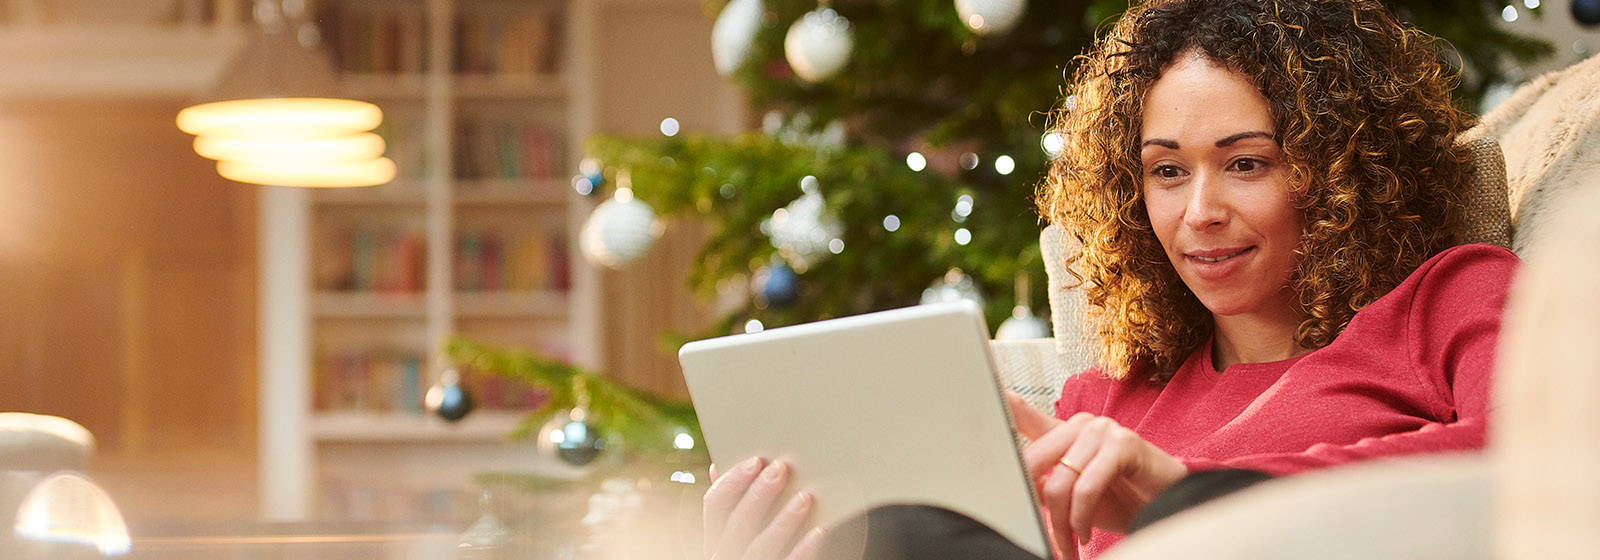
(926,145)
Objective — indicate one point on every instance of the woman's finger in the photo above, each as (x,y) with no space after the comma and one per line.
(751,514)
(724,495)
(1056,493)
(772,541)
(1101,462)
(1030,422)
(1043,455)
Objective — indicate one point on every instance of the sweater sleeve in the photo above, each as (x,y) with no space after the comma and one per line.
(1452,329)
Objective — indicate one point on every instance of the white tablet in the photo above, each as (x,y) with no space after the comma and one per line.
(895,407)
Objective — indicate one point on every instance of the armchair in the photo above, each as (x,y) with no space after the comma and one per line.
(1533,493)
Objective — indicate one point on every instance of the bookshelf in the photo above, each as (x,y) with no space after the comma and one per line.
(484,109)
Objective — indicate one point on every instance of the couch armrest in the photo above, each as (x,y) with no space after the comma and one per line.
(1424,507)
(1033,368)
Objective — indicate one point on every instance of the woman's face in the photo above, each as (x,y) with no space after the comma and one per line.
(1216,190)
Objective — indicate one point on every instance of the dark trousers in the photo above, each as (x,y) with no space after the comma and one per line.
(933,533)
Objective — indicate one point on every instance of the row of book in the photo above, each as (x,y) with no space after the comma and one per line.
(525,260)
(392,381)
(392,259)
(484,148)
(394,40)
(506,148)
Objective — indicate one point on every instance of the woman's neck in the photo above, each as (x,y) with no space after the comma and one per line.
(1252,338)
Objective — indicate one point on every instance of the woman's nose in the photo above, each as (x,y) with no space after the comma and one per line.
(1208,206)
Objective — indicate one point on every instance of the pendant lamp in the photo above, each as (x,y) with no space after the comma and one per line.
(275,117)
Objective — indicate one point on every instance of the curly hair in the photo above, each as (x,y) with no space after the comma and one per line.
(1361,104)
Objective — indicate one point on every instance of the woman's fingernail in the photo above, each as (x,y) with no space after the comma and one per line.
(801,501)
(774,471)
(751,465)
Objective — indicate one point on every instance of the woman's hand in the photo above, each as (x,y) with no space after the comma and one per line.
(740,523)
(1113,474)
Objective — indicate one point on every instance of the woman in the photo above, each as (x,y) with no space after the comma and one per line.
(1266,195)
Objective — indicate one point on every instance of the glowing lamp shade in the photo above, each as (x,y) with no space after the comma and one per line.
(280,117)
(275,116)
(67,511)
(333,149)
(310,173)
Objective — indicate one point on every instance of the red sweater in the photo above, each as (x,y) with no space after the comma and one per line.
(1411,374)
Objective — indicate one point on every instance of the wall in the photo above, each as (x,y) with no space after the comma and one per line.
(653,61)
(128,299)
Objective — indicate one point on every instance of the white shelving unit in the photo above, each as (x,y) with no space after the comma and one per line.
(305,318)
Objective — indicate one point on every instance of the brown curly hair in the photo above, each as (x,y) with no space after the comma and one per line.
(1362,107)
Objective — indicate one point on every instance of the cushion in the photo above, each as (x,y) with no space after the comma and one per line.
(1550,130)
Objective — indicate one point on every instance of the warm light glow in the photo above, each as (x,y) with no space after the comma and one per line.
(68,508)
(310,174)
(280,117)
(836,246)
(333,149)
(753,326)
(1508,13)
(891,222)
(669,126)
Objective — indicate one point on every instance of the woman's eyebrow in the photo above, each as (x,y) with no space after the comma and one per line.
(1168,144)
(1225,142)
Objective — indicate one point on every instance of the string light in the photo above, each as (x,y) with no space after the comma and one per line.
(1508,13)
(891,222)
(669,127)
(963,236)
(916,162)
(1004,165)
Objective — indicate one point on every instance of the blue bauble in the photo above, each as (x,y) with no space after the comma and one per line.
(580,443)
(449,400)
(777,284)
(1586,12)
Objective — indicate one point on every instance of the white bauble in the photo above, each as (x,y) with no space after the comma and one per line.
(991,17)
(619,231)
(804,229)
(732,34)
(818,44)
(955,285)
(1022,325)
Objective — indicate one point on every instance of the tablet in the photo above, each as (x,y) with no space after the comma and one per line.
(896,407)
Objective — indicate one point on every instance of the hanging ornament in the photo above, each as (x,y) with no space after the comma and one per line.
(818,44)
(991,17)
(733,33)
(571,434)
(620,230)
(955,285)
(576,441)
(448,398)
(590,177)
(1586,12)
(1022,325)
(776,285)
(803,230)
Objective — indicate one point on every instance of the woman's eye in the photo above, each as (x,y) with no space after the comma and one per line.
(1248,165)
(1166,172)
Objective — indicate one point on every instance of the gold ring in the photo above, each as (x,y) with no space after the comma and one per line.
(1069,465)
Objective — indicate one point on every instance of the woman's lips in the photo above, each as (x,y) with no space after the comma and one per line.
(1217,264)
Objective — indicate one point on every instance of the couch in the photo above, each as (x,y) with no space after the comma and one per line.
(1534,493)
